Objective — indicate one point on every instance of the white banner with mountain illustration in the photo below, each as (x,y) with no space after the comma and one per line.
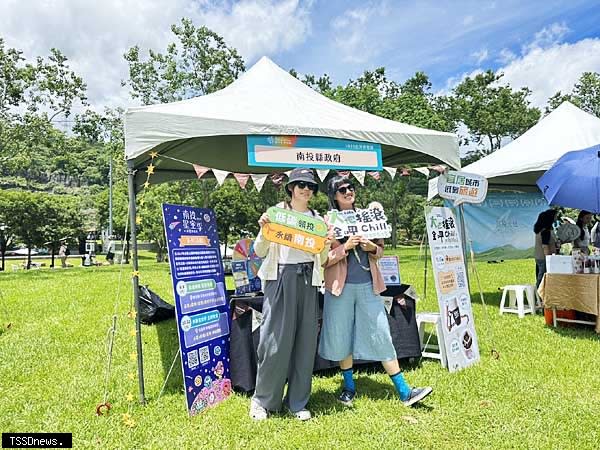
(501,227)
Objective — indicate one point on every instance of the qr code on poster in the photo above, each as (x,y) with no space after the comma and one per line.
(460,279)
(204,355)
(192,359)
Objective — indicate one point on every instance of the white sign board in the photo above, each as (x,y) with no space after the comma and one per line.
(460,339)
(462,187)
(370,223)
(389,267)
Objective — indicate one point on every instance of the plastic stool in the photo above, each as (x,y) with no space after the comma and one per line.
(517,293)
(440,354)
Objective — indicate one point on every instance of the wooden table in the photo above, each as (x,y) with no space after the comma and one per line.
(580,292)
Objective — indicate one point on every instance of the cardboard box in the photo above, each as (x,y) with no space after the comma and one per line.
(559,264)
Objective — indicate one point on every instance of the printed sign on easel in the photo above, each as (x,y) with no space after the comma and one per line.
(201,304)
(459,336)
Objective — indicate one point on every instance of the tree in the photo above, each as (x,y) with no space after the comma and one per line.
(32,94)
(49,83)
(411,215)
(150,214)
(199,63)
(35,217)
(585,95)
(492,111)
(237,211)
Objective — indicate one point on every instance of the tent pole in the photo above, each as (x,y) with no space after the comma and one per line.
(463,233)
(135,279)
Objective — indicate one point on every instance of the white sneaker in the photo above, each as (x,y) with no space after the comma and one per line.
(303,414)
(257,412)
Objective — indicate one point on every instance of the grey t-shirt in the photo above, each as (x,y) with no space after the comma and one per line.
(356,273)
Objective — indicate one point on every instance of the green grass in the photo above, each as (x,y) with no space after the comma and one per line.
(543,392)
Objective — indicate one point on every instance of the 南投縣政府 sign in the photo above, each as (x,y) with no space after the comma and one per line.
(313,152)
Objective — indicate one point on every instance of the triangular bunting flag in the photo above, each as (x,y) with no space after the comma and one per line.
(322,173)
(200,170)
(220,175)
(432,189)
(423,170)
(375,175)
(391,171)
(277,178)
(439,168)
(405,172)
(288,173)
(259,180)
(343,173)
(242,179)
(360,176)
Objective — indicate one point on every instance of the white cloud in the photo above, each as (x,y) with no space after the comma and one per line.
(505,56)
(547,37)
(350,31)
(480,55)
(94,35)
(258,27)
(557,68)
(468,20)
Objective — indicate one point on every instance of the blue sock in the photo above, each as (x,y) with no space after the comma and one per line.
(348,381)
(401,385)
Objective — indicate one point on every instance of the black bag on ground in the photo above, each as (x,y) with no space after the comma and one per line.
(153,308)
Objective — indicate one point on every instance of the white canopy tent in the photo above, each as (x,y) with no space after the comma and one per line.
(520,163)
(211,130)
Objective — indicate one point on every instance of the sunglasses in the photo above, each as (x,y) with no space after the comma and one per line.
(344,189)
(303,185)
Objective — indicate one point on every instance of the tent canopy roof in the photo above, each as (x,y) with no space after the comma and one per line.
(521,162)
(211,130)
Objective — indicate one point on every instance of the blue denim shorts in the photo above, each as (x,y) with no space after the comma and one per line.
(355,323)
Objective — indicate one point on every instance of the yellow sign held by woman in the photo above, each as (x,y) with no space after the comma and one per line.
(294,238)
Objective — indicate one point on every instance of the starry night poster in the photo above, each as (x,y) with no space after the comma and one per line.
(200,303)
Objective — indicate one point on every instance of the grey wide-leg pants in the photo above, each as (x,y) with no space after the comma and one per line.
(288,339)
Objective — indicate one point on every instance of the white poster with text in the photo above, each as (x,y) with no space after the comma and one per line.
(445,242)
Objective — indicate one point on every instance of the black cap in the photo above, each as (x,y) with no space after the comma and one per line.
(301,174)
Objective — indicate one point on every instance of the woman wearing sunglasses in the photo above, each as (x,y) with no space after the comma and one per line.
(355,324)
(288,333)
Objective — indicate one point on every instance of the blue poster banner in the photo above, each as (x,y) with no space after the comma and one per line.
(501,227)
(313,152)
(200,304)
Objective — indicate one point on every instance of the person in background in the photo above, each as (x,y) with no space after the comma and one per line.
(545,242)
(355,324)
(595,234)
(110,251)
(288,332)
(582,243)
(62,254)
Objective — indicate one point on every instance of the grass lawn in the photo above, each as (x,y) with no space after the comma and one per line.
(543,392)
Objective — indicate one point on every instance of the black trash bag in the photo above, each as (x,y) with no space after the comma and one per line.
(153,309)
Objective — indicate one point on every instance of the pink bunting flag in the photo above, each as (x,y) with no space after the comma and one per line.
(200,170)
(343,173)
(242,179)
(277,178)
(405,172)
(439,168)
(375,175)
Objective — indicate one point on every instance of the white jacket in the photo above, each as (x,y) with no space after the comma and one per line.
(270,252)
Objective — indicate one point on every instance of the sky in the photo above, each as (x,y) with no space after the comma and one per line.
(545,45)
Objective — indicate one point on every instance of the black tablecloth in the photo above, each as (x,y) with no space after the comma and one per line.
(244,342)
